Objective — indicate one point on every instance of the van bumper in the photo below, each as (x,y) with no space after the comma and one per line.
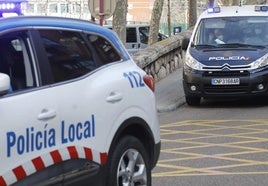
(251,83)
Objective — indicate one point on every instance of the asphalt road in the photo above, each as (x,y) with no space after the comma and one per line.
(220,143)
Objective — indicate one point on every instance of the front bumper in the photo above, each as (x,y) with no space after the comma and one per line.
(198,83)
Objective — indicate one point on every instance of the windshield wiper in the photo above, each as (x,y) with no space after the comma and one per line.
(237,45)
(204,46)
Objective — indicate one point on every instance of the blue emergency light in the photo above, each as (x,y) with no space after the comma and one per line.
(7,6)
(10,7)
(214,10)
(261,8)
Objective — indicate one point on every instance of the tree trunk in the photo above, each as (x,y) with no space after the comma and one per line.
(192,13)
(249,2)
(210,3)
(236,2)
(258,2)
(230,2)
(119,19)
(226,2)
(169,17)
(154,23)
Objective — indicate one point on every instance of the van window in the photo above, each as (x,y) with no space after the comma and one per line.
(144,34)
(131,35)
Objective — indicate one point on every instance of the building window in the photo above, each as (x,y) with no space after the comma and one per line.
(63,8)
(77,8)
(30,8)
(53,8)
(41,8)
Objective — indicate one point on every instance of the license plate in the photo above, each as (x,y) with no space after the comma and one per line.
(225,81)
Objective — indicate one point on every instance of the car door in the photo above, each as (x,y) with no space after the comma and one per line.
(29,115)
(71,64)
(98,90)
(88,90)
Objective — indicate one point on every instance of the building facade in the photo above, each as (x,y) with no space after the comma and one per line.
(63,8)
(139,11)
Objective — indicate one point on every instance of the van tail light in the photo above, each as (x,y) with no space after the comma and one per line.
(149,81)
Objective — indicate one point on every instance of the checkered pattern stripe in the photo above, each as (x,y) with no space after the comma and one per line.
(44,161)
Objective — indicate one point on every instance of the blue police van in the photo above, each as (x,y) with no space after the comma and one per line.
(227,55)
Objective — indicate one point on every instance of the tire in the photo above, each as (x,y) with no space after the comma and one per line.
(128,164)
(192,101)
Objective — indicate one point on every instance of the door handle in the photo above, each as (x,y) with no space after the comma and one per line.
(114,97)
(47,114)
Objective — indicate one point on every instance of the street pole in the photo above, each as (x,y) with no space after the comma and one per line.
(101,12)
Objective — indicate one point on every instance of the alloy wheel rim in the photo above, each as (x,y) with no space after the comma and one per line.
(131,169)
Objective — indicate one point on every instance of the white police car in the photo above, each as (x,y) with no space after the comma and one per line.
(74,107)
(227,54)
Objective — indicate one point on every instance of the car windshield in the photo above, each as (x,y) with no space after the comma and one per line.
(232,32)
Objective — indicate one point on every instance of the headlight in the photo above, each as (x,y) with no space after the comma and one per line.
(192,62)
(261,62)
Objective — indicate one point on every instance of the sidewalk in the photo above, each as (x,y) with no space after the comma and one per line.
(169,92)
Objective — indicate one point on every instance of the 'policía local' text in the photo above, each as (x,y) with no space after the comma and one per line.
(32,139)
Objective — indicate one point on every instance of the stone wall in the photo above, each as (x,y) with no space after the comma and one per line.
(163,57)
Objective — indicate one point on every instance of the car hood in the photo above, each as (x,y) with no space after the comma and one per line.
(233,57)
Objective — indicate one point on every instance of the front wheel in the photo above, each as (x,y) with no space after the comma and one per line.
(129,164)
(192,101)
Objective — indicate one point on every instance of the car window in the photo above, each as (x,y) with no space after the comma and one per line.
(68,54)
(104,50)
(15,60)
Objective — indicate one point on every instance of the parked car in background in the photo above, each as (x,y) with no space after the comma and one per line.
(137,36)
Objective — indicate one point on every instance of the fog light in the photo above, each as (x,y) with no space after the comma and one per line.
(260,86)
(193,88)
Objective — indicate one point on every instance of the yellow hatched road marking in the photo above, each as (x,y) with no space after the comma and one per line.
(238,140)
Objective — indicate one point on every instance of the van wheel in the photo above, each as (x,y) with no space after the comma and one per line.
(129,164)
(192,101)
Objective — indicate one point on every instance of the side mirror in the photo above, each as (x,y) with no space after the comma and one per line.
(4,84)
(185,42)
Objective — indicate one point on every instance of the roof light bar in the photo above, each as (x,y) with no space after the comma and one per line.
(214,10)
(261,8)
(7,6)
(10,7)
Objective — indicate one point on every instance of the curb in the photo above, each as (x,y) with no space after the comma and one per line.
(172,106)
